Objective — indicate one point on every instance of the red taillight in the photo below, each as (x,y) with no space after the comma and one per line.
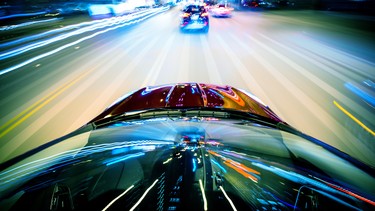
(204,14)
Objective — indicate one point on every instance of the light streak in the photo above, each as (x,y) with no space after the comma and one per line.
(241,171)
(220,166)
(126,157)
(354,118)
(167,161)
(29,168)
(5,28)
(203,195)
(365,96)
(114,200)
(22,15)
(144,195)
(349,192)
(194,165)
(38,105)
(119,25)
(227,197)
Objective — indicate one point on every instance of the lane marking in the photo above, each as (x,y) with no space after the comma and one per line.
(353,118)
(17,120)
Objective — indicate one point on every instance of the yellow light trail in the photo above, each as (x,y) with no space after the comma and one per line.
(21,117)
(354,118)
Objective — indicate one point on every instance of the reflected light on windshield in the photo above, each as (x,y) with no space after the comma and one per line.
(144,195)
(114,200)
(227,197)
(123,158)
(203,195)
(241,171)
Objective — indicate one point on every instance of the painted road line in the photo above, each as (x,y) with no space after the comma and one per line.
(354,118)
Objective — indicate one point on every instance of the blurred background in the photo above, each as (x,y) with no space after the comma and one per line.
(311,61)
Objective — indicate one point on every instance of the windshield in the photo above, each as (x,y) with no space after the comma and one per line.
(167,159)
(303,68)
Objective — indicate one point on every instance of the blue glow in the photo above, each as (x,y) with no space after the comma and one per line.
(365,96)
(194,165)
(218,94)
(22,15)
(220,166)
(6,28)
(278,199)
(116,22)
(120,150)
(126,157)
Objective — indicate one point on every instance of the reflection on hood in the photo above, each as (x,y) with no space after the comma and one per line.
(181,163)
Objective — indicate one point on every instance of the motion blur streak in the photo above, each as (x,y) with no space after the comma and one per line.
(38,105)
(54,31)
(203,195)
(308,74)
(365,96)
(323,185)
(213,71)
(351,193)
(70,44)
(22,15)
(5,28)
(114,200)
(144,195)
(353,118)
(298,93)
(157,66)
(221,167)
(227,197)
(242,69)
(30,167)
(241,171)
(123,158)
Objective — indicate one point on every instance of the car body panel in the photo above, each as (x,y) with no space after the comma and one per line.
(188,95)
(186,164)
(201,161)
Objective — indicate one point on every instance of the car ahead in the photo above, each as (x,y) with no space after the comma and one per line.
(194,17)
(221,10)
(186,146)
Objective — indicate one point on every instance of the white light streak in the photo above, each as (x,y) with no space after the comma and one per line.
(144,195)
(203,195)
(117,25)
(114,200)
(227,197)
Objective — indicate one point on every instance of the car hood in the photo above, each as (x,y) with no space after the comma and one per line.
(189,95)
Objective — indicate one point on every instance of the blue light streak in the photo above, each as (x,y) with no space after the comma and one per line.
(7,28)
(117,22)
(218,94)
(194,165)
(220,166)
(365,96)
(126,157)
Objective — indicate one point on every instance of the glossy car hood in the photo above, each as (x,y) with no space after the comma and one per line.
(189,95)
(196,163)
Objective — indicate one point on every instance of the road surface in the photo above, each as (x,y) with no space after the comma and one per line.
(303,64)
